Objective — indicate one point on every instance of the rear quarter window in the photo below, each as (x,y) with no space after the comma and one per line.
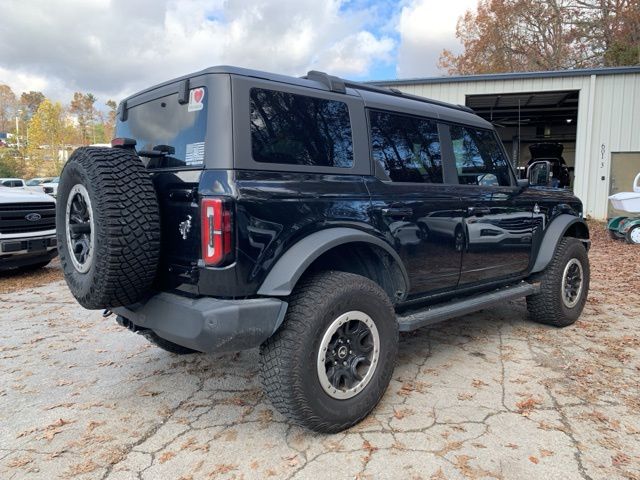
(288,128)
(165,122)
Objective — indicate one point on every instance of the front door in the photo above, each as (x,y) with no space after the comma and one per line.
(498,224)
(420,215)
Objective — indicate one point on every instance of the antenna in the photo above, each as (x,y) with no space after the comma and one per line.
(519,134)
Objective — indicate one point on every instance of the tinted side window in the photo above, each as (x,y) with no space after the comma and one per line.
(479,158)
(299,130)
(408,148)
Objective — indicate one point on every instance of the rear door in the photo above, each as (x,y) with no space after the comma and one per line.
(498,223)
(420,215)
(171,141)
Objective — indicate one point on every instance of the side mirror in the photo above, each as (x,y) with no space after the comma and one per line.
(539,173)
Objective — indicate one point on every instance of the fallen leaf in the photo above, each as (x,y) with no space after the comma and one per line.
(166,456)
(465,396)
(526,406)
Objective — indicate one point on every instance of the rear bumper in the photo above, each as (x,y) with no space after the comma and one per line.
(208,324)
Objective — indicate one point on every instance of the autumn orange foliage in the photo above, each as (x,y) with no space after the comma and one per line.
(532,35)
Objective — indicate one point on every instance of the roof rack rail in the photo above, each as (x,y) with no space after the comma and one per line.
(334,84)
(340,85)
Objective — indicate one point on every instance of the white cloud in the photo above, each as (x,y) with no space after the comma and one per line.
(340,58)
(23,82)
(426,28)
(114,47)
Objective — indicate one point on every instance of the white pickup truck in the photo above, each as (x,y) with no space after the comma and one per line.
(27,228)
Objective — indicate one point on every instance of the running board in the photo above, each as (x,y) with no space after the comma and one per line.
(456,308)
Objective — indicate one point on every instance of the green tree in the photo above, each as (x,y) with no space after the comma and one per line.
(110,125)
(612,29)
(49,132)
(83,108)
(11,163)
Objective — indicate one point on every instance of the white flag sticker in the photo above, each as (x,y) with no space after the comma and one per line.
(195,153)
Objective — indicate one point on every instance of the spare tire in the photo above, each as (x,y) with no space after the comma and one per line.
(108,226)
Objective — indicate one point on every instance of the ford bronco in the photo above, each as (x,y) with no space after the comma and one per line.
(314,218)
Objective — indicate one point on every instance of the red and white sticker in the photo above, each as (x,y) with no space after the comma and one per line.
(196,99)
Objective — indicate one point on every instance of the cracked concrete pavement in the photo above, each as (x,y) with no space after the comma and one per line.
(489,395)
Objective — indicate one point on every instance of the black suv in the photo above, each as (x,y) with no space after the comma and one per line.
(313,217)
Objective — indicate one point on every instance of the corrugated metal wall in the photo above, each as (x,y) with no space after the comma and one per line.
(608,121)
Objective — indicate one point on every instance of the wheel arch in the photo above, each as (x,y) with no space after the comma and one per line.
(564,225)
(343,249)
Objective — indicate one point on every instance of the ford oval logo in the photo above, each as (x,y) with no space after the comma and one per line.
(33,217)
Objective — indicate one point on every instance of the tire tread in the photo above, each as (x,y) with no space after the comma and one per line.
(546,306)
(280,378)
(129,250)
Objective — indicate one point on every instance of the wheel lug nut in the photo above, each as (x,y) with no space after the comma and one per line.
(351,352)
(344,363)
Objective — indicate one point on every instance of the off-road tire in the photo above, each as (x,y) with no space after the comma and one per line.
(166,345)
(126,223)
(288,360)
(547,306)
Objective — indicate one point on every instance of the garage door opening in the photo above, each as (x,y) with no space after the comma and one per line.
(526,119)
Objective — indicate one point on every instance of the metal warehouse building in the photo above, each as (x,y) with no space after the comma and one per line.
(593,113)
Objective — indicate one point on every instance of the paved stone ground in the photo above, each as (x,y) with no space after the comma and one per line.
(489,395)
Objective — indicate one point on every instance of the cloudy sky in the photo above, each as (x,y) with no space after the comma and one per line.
(114,47)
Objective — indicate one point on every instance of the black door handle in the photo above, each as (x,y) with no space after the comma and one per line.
(397,212)
(477,211)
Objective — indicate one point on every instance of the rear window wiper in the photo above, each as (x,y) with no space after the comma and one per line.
(159,151)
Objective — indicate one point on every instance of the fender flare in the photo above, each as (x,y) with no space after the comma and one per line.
(289,268)
(552,235)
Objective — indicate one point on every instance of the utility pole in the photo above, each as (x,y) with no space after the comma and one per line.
(18,128)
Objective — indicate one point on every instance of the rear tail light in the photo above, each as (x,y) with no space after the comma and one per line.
(217,231)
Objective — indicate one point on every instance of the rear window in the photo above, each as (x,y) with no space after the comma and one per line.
(171,134)
(287,128)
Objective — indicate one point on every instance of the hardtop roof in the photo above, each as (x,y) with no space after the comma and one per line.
(391,97)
